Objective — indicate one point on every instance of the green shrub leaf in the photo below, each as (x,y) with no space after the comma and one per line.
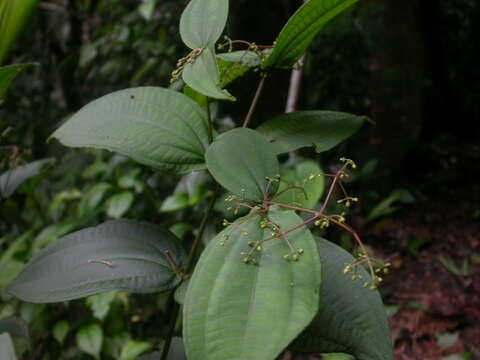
(240,311)
(133,349)
(322,129)
(119,255)
(7,75)
(351,318)
(301,29)
(100,304)
(241,160)
(119,204)
(157,127)
(13,17)
(306,192)
(90,339)
(202,75)
(202,22)
(13,178)
(60,331)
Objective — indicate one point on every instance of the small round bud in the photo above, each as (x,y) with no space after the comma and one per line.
(246,260)
(295,257)
(300,251)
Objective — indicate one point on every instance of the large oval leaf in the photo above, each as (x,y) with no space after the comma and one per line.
(241,160)
(13,178)
(322,129)
(202,75)
(301,29)
(202,22)
(351,318)
(157,127)
(7,348)
(118,255)
(241,311)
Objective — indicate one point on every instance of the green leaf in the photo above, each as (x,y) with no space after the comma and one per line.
(322,129)
(119,204)
(385,207)
(175,352)
(351,318)
(52,233)
(305,192)
(181,291)
(119,255)
(235,64)
(180,229)
(241,160)
(246,58)
(9,272)
(15,327)
(241,311)
(202,22)
(6,347)
(200,99)
(100,304)
(60,331)
(92,198)
(19,245)
(13,178)
(157,127)
(337,356)
(301,29)
(147,8)
(202,75)
(13,17)
(114,344)
(7,75)
(133,348)
(90,339)
(175,202)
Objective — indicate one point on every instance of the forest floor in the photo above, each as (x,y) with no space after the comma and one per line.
(434,288)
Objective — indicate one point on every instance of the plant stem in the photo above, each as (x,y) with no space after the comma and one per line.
(330,191)
(189,268)
(171,330)
(203,225)
(254,102)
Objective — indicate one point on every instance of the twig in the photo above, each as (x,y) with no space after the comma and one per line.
(254,102)
(294,89)
(188,268)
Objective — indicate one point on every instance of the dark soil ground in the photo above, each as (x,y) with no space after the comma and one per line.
(438,308)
